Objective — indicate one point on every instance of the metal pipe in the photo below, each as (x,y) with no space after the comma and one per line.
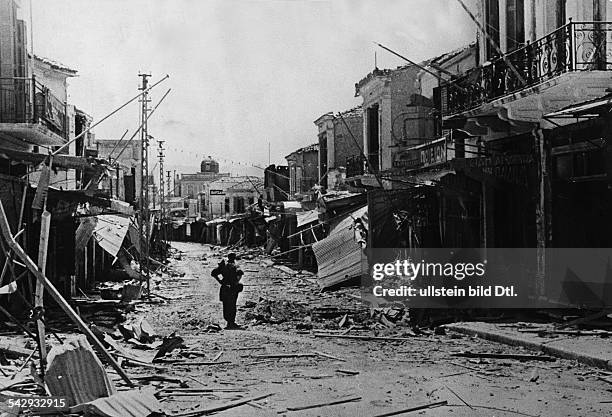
(117,144)
(142,124)
(421,67)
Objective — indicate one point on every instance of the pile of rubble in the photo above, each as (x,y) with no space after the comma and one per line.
(274,311)
(324,317)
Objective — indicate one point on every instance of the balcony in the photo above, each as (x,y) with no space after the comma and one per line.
(576,47)
(30,112)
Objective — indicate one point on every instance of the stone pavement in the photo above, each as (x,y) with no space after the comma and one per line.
(589,350)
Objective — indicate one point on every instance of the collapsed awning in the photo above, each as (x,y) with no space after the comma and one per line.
(110,232)
(340,257)
(584,109)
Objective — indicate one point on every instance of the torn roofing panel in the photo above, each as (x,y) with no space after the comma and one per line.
(75,372)
(339,256)
(137,403)
(110,232)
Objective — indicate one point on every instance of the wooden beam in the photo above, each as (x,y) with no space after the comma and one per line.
(43,245)
(40,276)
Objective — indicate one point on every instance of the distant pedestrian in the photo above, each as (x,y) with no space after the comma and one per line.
(230,288)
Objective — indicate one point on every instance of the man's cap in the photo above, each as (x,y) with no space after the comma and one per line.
(231,256)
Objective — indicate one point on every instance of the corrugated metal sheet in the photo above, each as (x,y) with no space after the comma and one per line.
(75,372)
(137,403)
(110,232)
(339,256)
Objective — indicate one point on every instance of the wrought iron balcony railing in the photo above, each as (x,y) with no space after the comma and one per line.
(576,46)
(25,100)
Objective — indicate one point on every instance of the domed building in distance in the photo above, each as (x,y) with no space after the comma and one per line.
(190,185)
(210,194)
(209,165)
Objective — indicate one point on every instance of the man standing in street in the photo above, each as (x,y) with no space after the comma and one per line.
(230,287)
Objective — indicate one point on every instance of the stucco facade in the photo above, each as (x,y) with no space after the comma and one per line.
(340,139)
(303,171)
(398,107)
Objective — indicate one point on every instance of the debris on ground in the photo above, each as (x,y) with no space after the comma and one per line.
(276,311)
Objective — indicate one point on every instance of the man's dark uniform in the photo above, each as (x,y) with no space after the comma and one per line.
(230,287)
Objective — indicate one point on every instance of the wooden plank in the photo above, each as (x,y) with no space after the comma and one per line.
(326,355)
(516,356)
(417,408)
(325,404)
(379,338)
(284,355)
(585,319)
(18,250)
(222,407)
(43,245)
(347,371)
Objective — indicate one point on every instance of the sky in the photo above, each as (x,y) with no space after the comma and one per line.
(243,73)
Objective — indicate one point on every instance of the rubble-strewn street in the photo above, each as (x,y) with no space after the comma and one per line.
(301,370)
(305,208)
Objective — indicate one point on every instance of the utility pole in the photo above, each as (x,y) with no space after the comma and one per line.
(168,184)
(174,183)
(144,182)
(162,217)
